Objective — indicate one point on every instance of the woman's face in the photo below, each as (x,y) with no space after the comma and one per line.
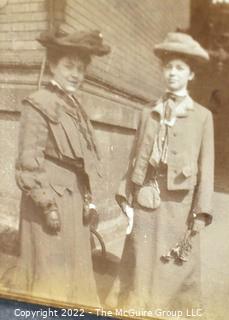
(177,74)
(69,72)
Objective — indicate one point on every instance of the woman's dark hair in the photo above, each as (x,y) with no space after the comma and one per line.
(55,54)
(192,62)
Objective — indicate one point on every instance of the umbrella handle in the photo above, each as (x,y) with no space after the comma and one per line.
(101,241)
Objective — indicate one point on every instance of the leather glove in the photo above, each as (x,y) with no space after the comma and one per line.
(94,216)
(52,221)
(90,215)
(199,223)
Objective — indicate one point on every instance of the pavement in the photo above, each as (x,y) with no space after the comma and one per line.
(215,260)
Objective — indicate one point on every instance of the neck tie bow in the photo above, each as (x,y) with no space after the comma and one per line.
(170,96)
(169,106)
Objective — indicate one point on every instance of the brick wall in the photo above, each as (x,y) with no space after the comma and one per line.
(20,24)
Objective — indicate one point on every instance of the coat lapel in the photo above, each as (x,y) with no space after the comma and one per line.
(148,131)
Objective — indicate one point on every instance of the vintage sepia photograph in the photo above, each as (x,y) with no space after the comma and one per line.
(114,157)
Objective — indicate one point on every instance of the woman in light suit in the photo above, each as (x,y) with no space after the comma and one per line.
(167,190)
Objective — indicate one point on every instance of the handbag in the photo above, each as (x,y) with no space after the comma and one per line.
(148,196)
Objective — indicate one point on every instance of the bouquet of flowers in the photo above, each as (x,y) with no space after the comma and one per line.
(180,252)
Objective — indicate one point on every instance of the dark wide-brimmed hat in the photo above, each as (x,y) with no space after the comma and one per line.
(89,42)
(181,44)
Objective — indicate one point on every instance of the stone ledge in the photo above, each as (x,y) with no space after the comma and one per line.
(102,107)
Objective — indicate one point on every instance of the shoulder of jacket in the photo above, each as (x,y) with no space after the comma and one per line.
(147,108)
(143,116)
(203,111)
(147,112)
(152,103)
(46,102)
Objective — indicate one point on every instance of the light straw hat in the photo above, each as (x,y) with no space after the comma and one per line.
(183,45)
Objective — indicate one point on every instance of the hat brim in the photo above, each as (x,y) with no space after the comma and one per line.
(198,55)
(96,51)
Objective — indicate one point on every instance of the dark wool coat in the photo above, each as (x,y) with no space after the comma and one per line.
(56,150)
(144,281)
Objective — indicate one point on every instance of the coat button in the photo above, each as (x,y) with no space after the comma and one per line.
(174,134)
(174,152)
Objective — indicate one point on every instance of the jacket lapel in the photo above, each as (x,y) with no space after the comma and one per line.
(148,131)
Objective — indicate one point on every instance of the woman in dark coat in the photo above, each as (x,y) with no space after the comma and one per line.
(58,169)
(167,191)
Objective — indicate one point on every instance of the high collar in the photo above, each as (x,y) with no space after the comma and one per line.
(56,84)
(73,96)
(179,93)
(71,102)
(182,109)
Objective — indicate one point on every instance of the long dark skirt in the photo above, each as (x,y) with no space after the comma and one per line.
(145,281)
(56,267)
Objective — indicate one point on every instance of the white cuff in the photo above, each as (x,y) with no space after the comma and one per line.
(129,211)
(130,214)
(92,206)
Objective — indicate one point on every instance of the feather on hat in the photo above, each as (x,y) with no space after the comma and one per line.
(90,42)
